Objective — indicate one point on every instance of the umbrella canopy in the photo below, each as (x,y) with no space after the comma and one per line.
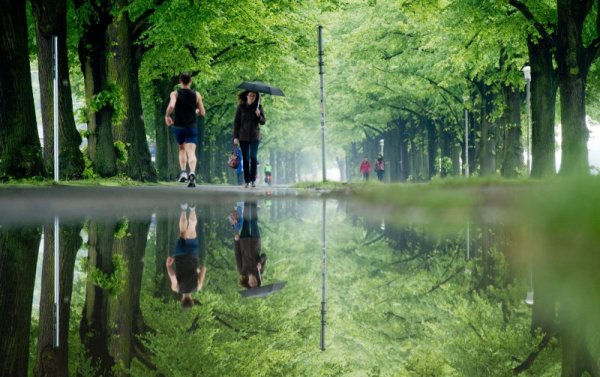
(263,290)
(261,87)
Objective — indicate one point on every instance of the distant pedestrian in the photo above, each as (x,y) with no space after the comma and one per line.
(187,104)
(365,168)
(246,132)
(380,167)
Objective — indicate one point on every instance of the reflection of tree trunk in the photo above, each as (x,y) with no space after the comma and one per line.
(93,328)
(18,255)
(51,361)
(577,357)
(123,309)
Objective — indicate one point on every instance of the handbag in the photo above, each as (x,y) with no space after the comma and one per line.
(234,160)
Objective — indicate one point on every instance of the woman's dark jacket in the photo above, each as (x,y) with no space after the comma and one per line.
(246,124)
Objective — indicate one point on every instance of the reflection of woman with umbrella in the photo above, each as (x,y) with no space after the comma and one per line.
(247,246)
(246,132)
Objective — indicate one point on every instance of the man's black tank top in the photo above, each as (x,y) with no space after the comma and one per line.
(185,108)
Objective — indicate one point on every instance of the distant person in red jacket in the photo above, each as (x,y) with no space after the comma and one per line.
(365,168)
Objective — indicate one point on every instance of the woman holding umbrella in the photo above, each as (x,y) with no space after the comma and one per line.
(246,132)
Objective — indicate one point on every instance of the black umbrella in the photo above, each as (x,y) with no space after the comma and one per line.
(261,87)
(263,290)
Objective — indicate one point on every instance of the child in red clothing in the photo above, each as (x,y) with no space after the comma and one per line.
(365,168)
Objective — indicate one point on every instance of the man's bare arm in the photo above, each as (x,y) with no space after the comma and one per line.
(170,108)
(200,105)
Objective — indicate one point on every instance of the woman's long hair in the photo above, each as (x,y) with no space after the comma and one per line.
(243,97)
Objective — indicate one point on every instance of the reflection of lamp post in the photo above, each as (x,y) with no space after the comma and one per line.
(529,296)
(323,274)
(527,74)
(465,98)
(56,342)
(381,141)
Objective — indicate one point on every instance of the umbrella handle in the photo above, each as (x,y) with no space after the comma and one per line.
(258,103)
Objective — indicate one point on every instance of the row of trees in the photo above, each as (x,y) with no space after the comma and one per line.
(406,74)
(402,72)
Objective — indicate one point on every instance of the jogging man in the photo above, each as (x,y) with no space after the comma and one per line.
(187,104)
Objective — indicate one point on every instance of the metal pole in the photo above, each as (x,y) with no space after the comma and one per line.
(56,282)
(55,77)
(320,33)
(323,274)
(466,138)
(528,124)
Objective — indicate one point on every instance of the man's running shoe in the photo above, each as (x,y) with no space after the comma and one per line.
(192,180)
(183,177)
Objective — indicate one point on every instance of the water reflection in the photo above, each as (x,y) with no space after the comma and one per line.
(401,299)
(186,264)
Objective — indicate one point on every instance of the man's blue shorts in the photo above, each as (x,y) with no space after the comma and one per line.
(185,134)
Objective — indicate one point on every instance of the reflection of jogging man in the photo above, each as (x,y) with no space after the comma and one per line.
(186,103)
(189,270)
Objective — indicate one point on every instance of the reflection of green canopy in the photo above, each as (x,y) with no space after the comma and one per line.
(262,291)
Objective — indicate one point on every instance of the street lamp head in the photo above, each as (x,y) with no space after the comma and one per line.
(381,142)
(527,72)
(465,98)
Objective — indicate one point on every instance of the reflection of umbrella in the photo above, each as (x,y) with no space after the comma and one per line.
(262,291)
(259,86)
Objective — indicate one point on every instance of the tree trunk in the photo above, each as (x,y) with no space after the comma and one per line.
(122,70)
(50,19)
(572,72)
(54,361)
(92,55)
(487,145)
(20,150)
(512,159)
(18,256)
(543,107)
(167,162)
(431,149)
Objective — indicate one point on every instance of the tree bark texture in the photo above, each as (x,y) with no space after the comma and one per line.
(512,156)
(18,257)
(20,149)
(123,71)
(50,19)
(94,328)
(487,144)
(54,361)
(123,309)
(572,73)
(92,55)
(167,162)
(543,107)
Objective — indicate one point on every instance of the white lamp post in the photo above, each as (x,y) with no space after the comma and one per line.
(466,163)
(381,142)
(527,74)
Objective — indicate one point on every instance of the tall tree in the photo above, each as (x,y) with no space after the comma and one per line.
(574,60)
(20,150)
(50,19)
(124,60)
(544,84)
(101,96)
